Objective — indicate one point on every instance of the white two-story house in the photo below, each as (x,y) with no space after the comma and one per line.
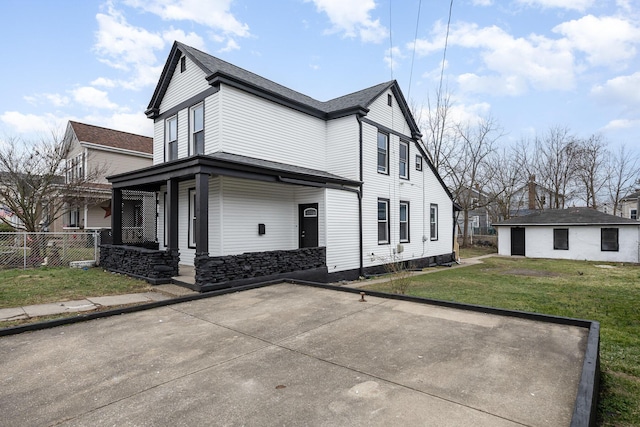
(251,174)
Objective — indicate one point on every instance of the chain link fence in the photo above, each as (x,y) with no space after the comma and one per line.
(30,250)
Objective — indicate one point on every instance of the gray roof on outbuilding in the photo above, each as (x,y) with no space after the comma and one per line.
(569,216)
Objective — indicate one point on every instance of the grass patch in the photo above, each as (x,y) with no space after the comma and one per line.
(52,284)
(474,251)
(576,289)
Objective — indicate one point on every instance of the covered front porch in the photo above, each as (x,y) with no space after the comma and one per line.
(233,219)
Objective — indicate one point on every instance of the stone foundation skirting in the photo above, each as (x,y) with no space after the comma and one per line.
(154,266)
(251,267)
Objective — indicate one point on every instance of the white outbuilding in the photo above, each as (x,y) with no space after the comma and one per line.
(573,233)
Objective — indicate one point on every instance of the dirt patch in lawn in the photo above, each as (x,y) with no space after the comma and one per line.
(531,273)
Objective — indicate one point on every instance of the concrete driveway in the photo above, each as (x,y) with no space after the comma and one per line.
(293,355)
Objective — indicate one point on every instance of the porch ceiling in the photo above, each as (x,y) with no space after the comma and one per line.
(227,164)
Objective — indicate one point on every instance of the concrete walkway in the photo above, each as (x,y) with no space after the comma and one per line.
(160,293)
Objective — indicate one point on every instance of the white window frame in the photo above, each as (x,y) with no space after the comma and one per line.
(196,130)
(405,238)
(433,221)
(403,162)
(169,142)
(386,238)
(384,151)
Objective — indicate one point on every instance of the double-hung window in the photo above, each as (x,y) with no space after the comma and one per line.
(418,162)
(404,222)
(197,128)
(383,221)
(383,153)
(561,239)
(433,221)
(171,136)
(633,214)
(404,160)
(609,239)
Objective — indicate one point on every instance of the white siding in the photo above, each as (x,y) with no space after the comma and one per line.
(112,163)
(255,127)
(249,203)
(343,235)
(584,243)
(158,142)
(343,147)
(391,117)
(212,123)
(183,86)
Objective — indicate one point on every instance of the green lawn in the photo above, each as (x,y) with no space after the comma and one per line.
(474,251)
(565,288)
(52,284)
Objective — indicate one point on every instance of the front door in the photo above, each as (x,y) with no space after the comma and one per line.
(308,225)
(517,241)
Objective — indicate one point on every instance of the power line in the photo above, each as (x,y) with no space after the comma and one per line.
(413,56)
(444,53)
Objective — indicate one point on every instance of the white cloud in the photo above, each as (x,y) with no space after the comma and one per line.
(482,2)
(191,39)
(621,124)
(508,64)
(92,97)
(32,124)
(353,18)
(605,40)
(391,57)
(621,90)
(104,82)
(579,5)
(54,99)
(213,14)
(231,45)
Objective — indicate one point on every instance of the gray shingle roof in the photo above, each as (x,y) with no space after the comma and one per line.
(212,66)
(570,216)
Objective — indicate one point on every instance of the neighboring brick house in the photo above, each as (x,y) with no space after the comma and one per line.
(255,179)
(96,152)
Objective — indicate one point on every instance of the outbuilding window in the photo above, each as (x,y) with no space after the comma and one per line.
(561,239)
(609,239)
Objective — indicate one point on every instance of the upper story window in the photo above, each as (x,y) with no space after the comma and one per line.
(171,137)
(404,160)
(183,64)
(389,100)
(633,214)
(197,128)
(383,153)
(75,168)
(433,221)
(418,162)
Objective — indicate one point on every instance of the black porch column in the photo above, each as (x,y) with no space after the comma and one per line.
(116,216)
(202,214)
(172,214)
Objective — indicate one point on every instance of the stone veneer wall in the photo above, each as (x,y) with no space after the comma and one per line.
(233,268)
(154,266)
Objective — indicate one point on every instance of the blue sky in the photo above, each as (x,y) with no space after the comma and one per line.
(530,64)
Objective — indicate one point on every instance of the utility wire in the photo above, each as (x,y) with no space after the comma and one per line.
(413,56)
(390,43)
(444,53)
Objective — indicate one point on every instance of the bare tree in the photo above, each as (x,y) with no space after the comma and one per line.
(469,168)
(591,160)
(623,171)
(439,132)
(33,186)
(508,176)
(554,161)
